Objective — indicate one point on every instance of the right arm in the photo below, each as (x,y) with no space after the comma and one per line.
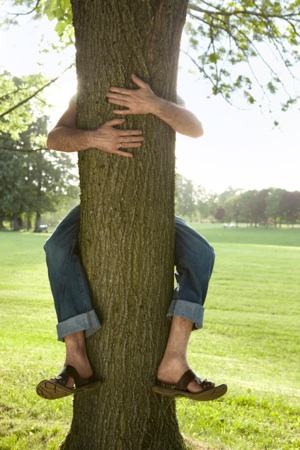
(144,101)
(66,137)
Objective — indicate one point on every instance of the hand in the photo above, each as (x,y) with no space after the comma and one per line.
(113,140)
(137,101)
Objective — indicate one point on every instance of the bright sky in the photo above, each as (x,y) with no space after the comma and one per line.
(240,148)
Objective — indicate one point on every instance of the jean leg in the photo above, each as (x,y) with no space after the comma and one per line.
(68,281)
(194,261)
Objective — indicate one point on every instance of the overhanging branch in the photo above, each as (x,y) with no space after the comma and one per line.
(294,16)
(25,13)
(34,94)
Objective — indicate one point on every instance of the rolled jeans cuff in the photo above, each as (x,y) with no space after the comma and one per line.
(191,311)
(87,322)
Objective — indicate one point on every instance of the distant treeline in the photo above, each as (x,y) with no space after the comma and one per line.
(272,206)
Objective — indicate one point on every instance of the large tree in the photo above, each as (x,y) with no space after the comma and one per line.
(127,225)
(127,206)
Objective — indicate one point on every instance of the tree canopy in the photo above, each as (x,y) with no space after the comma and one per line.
(236,45)
(32,182)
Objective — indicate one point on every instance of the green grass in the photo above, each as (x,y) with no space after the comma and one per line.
(282,236)
(250,341)
(28,347)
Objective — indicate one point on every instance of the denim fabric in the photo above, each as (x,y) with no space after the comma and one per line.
(68,282)
(194,259)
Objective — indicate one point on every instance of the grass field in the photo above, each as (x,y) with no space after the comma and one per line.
(250,341)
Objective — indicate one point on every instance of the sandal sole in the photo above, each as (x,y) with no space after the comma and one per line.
(51,391)
(205,396)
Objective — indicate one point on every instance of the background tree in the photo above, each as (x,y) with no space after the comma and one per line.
(233,208)
(22,101)
(273,204)
(290,206)
(33,182)
(249,210)
(220,214)
(185,197)
(11,199)
(261,204)
(205,203)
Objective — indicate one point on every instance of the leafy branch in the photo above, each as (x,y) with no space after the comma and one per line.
(223,35)
(31,96)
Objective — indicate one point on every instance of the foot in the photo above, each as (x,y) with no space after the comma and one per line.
(76,356)
(82,365)
(171,370)
(57,387)
(84,371)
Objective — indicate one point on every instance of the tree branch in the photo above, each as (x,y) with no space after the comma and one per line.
(26,13)
(22,150)
(237,12)
(27,99)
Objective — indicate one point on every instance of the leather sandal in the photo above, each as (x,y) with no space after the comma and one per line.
(209,390)
(56,387)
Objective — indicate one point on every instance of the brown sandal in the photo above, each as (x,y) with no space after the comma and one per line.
(56,387)
(209,390)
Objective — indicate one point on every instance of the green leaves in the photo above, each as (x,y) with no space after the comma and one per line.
(33,180)
(226,34)
(15,97)
(61,12)
(227,42)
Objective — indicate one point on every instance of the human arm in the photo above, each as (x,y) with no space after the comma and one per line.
(66,137)
(144,101)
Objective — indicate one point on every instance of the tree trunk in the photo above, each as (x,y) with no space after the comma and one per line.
(127,225)
(16,223)
(38,221)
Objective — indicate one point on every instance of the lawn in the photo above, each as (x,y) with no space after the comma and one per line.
(250,341)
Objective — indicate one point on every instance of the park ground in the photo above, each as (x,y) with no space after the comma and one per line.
(250,341)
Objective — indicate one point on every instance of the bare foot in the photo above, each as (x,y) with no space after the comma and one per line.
(171,369)
(76,356)
(83,367)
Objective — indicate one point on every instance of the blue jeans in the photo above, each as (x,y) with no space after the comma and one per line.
(194,260)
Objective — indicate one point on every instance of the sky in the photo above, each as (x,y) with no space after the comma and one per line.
(240,148)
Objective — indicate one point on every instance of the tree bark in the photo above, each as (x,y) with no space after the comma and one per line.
(127,225)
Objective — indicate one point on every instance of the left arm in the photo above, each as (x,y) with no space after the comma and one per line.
(144,101)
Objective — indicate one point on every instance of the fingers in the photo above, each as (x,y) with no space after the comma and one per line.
(125,154)
(118,90)
(114,122)
(117,141)
(123,112)
(140,83)
(125,145)
(130,141)
(121,133)
(119,99)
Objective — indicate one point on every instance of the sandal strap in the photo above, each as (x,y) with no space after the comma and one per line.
(66,373)
(185,380)
(189,376)
(206,385)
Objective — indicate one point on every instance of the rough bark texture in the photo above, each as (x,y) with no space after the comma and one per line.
(127,225)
